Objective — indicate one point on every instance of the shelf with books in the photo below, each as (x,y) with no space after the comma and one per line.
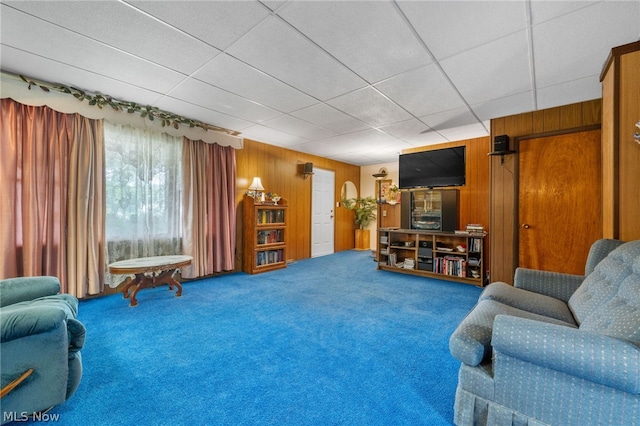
(447,255)
(264,236)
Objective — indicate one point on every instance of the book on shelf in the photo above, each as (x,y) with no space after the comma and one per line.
(474,228)
(475,245)
(269,256)
(450,265)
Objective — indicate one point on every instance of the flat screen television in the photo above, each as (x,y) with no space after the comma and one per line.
(431,169)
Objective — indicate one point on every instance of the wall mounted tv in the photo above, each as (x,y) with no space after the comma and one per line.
(436,168)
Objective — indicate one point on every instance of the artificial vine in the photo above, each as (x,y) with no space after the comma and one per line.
(146,111)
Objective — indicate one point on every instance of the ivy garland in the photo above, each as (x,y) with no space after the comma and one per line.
(152,113)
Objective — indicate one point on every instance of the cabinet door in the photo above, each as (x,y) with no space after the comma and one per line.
(560,201)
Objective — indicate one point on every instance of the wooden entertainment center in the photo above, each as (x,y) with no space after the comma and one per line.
(455,256)
(427,243)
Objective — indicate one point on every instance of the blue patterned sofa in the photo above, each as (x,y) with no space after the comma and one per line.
(40,346)
(555,349)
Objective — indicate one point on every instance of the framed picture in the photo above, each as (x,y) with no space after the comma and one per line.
(388,192)
(383,190)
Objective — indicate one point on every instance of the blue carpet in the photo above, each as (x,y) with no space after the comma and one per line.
(326,341)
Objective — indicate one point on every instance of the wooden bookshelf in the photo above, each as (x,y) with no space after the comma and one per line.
(264,242)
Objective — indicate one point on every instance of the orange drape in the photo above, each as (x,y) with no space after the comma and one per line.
(37,193)
(208,207)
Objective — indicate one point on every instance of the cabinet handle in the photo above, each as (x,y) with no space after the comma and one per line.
(525,226)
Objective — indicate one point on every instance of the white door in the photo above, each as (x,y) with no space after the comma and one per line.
(322,212)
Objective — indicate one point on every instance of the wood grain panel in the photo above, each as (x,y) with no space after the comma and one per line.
(551,120)
(390,216)
(504,185)
(592,112)
(571,116)
(629,150)
(559,195)
(609,157)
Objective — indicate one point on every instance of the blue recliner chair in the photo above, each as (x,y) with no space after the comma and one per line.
(554,349)
(40,344)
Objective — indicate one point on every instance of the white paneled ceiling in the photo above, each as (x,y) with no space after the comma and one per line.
(355,81)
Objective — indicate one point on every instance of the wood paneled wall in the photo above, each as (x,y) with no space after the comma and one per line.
(280,171)
(504,176)
(621,154)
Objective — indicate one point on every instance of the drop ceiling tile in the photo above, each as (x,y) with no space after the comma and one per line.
(379,156)
(494,70)
(330,118)
(218,23)
(219,100)
(323,149)
(422,91)
(370,106)
(469,131)
(272,136)
(203,114)
(429,138)
(283,53)
(362,159)
(177,50)
(26,33)
(353,153)
(542,11)
(570,92)
(237,77)
(414,132)
(17,61)
(576,45)
(371,38)
(274,4)
(296,126)
(509,105)
(451,27)
(364,140)
(452,118)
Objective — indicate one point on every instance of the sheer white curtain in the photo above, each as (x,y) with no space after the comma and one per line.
(143,192)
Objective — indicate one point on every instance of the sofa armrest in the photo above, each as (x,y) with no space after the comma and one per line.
(557,285)
(28,320)
(598,358)
(77,333)
(22,289)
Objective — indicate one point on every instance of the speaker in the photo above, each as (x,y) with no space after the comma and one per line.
(307,169)
(501,143)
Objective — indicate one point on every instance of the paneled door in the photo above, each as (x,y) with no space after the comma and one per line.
(323,212)
(560,200)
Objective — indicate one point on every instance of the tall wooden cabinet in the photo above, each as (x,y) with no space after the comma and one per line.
(264,243)
(620,152)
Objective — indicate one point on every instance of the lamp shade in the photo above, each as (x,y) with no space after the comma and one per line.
(256,185)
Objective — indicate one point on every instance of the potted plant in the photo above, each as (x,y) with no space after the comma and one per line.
(365,211)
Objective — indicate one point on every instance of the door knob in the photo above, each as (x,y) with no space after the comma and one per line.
(525,226)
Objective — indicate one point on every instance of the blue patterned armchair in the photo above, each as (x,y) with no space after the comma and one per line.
(40,344)
(555,349)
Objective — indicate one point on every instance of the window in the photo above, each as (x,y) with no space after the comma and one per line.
(143,193)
